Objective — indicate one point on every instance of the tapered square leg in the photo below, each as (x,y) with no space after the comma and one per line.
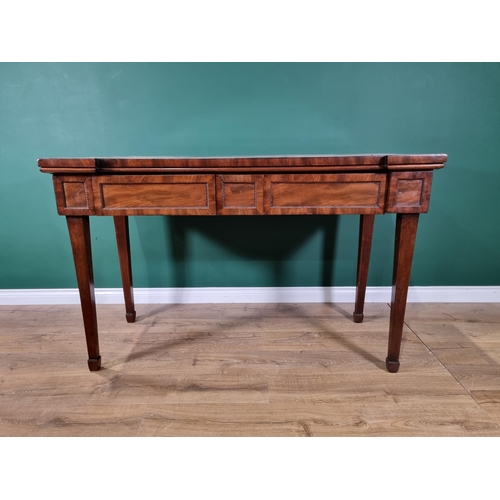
(123,244)
(406,232)
(79,233)
(366,224)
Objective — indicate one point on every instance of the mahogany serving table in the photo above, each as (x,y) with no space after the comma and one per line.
(285,185)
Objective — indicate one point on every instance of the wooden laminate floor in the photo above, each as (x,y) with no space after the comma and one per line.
(250,370)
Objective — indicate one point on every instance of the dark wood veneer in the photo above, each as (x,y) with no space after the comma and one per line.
(240,194)
(249,164)
(298,194)
(154,194)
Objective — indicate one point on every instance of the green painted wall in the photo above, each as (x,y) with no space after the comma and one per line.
(251,109)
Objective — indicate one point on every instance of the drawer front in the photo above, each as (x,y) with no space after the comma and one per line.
(154,194)
(324,194)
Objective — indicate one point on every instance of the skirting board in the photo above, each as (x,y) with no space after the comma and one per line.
(58,296)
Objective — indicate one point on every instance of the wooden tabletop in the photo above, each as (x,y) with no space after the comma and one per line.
(298,163)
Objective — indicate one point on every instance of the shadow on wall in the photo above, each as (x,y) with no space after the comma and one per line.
(272,239)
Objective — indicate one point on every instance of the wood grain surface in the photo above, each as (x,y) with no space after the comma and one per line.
(298,163)
(250,370)
(154,195)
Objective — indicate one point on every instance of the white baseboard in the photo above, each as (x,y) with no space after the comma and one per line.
(318,294)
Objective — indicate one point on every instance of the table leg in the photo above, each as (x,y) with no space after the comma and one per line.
(366,223)
(406,232)
(123,244)
(79,234)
